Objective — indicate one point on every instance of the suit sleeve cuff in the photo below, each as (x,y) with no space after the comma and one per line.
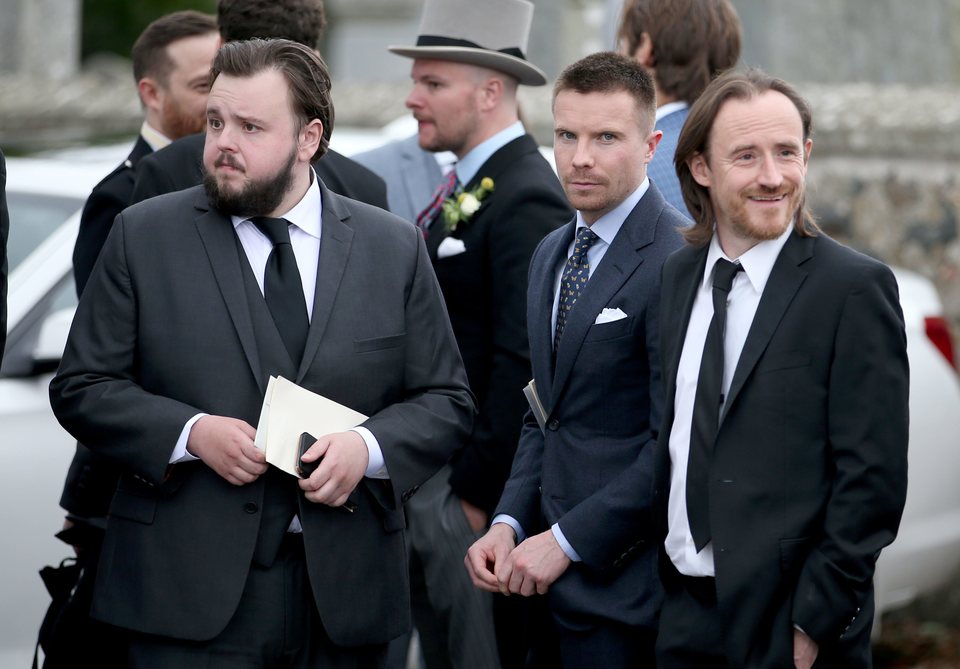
(376,466)
(512,522)
(564,544)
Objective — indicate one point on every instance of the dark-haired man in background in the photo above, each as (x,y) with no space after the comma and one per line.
(180,165)
(683,44)
(171,66)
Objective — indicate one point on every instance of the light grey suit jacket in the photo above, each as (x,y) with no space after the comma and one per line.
(411,174)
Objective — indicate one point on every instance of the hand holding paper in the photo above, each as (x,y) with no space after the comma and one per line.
(344,463)
(226,446)
(288,411)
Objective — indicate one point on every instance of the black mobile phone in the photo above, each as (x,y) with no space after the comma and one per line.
(306,468)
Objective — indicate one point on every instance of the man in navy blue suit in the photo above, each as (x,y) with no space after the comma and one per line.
(592,312)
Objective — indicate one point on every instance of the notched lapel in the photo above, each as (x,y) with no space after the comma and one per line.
(784,282)
(619,263)
(335,241)
(220,242)
(540,308)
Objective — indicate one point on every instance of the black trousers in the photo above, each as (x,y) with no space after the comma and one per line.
(276,626)
(691,629)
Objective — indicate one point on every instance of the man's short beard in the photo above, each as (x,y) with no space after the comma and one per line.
(256,198)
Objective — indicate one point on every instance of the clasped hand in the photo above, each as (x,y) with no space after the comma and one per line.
(496,564)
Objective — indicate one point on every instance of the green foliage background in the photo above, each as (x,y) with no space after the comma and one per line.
(113,25)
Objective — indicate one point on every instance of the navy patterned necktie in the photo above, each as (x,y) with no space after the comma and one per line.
(706,407)
(575,275)
(444,190)
(282,286)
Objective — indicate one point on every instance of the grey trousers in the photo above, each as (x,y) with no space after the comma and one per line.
(453,618)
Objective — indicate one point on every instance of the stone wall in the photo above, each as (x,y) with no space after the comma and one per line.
(884,177)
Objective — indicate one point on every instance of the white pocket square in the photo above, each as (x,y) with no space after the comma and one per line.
(609,316)
(450,246)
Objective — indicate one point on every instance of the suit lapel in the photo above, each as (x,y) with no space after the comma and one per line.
(540,306)
(687,277)
(219,240)
(619,263)
(335,241)
(785,279)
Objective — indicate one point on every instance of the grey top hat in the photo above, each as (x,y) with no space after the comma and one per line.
(488,33)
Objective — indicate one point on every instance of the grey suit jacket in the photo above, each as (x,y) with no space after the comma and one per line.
(164,331)
(591,469)
(411,174)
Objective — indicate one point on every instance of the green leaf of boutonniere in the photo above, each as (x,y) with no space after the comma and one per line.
(461,207)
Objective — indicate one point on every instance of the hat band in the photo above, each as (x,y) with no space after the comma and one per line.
(437,40)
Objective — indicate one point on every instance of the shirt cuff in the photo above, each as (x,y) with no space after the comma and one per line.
(564,544)
(376,467)
(512,522)
(180,452)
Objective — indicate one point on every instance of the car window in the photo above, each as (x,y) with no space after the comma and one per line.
(33,218)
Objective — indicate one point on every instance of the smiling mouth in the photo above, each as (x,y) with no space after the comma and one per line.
(769,198)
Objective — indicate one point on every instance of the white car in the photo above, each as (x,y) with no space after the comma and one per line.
(45,197)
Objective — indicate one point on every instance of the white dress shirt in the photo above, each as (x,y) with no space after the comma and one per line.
(306,221)
(606,228)
(742,303)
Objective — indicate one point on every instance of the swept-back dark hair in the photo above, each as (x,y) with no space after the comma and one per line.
(303,68)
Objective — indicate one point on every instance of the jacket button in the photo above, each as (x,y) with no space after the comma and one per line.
(554,424)
(250,507)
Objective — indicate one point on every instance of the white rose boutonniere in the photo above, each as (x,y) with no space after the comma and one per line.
(459,208)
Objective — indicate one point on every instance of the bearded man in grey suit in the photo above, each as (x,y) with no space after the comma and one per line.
(592,314)
(201,296)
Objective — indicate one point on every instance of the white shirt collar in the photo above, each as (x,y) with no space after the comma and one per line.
(156,139)
(757,262)
(607,226)
(305,214)
(669,108)
(478,155)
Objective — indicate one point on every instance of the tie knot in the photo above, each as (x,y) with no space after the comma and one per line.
(585,239)
(723,273)
(276,229)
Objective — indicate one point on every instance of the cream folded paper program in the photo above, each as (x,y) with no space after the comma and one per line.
(289,410)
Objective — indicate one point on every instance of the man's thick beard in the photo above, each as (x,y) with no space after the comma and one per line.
(256,198)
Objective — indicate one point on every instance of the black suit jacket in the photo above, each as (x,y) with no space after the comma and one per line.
(809,470)
(485,291)
(165,330)
(591,469)
(180,165)
(107,199)
(4,232)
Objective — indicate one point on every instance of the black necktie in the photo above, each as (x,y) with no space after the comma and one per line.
(282,287)
(706,407)
(575,276)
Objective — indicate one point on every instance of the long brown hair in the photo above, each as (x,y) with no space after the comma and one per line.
(695,139)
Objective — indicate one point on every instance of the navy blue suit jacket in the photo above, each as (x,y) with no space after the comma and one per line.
(591,469)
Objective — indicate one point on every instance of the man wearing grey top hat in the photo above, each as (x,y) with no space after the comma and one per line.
(485,220)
